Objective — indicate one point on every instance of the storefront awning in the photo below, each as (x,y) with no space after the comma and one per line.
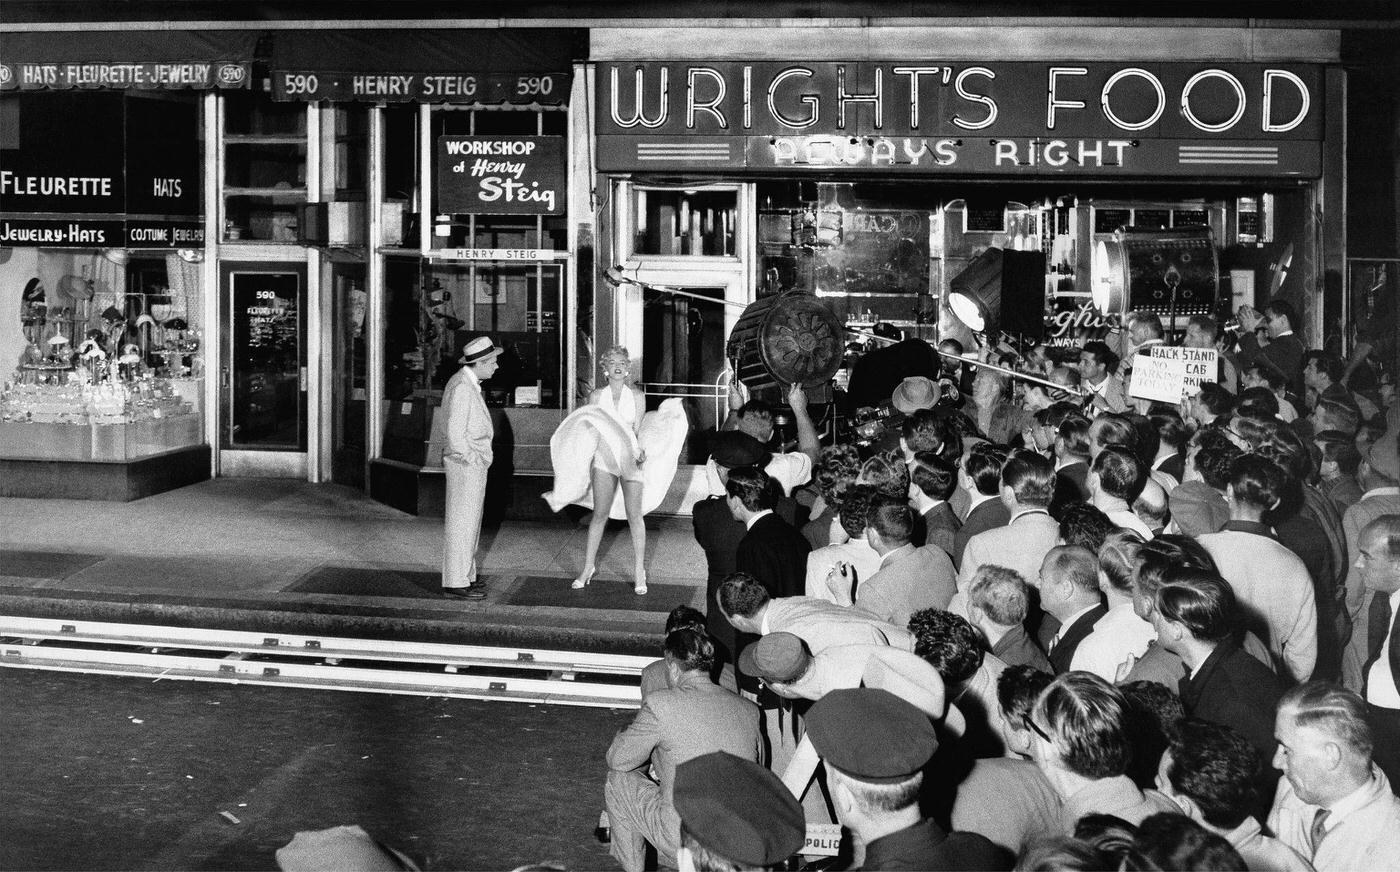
(520,65)
(126,59)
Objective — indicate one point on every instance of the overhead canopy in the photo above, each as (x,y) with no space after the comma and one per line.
(126,59)
(522,65)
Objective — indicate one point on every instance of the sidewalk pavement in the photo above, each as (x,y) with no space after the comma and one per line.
(289,556)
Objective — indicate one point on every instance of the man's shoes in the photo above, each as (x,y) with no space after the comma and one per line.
(471,592)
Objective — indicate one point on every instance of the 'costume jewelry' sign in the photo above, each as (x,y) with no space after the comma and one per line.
(500,175)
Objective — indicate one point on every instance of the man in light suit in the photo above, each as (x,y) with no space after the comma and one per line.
(909,578)
(1379,568)
(1378,475)
(1334,806)
(855,552)
(746,604)
(1027,486)
(466,460)
(1273,587)
(692,718)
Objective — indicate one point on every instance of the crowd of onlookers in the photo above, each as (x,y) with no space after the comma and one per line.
(1053,627)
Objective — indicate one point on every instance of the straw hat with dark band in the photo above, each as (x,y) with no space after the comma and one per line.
(479,349)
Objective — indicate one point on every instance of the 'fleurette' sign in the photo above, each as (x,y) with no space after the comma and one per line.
(500,175)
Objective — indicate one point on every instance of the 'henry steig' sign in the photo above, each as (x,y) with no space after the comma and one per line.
(500,175)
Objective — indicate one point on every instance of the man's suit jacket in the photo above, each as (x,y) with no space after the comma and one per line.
(775,553)
(1016,649)
(719,536)
(696,717)
(985,516)
(1284,354)
(825,625)
(1274,592)
(1358,598)
(1174,465)
(1020,545)
(909,579)
(1234,689)
(1061,653)
(941,526)
(1071,486)
(817,530)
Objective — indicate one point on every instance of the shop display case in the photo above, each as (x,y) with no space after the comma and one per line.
(111,369)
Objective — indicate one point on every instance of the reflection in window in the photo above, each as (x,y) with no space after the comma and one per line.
(684,222)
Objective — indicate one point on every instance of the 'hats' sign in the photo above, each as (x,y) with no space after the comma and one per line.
(500,175)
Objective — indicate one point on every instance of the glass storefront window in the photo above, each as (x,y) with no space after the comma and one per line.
(264,148)
(110,355)
(684,222)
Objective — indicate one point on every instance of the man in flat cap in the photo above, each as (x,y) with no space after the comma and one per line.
(734,815)
(466,460)
(875,746)
(691,718)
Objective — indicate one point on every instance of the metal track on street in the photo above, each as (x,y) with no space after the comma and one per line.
(320,662)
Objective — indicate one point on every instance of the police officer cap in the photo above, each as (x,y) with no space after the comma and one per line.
(738,809)
(871,735)
(733,449)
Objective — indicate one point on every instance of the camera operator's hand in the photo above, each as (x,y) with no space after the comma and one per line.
(738,395)
(797,399)
(1250,318)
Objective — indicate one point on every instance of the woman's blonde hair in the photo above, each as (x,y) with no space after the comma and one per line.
(614,352)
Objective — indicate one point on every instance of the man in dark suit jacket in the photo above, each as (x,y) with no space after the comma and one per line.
(932,480)
(719,535)
(1071,463)
(980,476)
(1284,352)
(772,551)
(1196,618)
(1069,592)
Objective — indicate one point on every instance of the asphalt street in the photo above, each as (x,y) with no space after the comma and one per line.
(119,773)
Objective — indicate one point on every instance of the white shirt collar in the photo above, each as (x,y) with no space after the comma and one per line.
(1349,803)
(753,519)
(1381,492)
(978,498)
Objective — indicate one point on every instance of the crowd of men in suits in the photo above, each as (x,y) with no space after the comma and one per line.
(1110,636)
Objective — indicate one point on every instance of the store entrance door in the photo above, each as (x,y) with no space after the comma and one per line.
(263,382)
(685,319)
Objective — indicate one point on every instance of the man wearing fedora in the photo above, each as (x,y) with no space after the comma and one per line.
(466,460)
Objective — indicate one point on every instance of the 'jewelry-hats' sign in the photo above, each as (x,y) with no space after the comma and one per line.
(500,175)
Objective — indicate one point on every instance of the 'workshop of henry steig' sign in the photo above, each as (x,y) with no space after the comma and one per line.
(501,175)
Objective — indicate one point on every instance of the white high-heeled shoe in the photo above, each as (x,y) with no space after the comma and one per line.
(582,581)
(640,588)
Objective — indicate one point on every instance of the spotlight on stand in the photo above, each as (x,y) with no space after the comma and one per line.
(1109,279)
(974,294)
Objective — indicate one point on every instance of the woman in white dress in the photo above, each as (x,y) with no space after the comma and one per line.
(625,402)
